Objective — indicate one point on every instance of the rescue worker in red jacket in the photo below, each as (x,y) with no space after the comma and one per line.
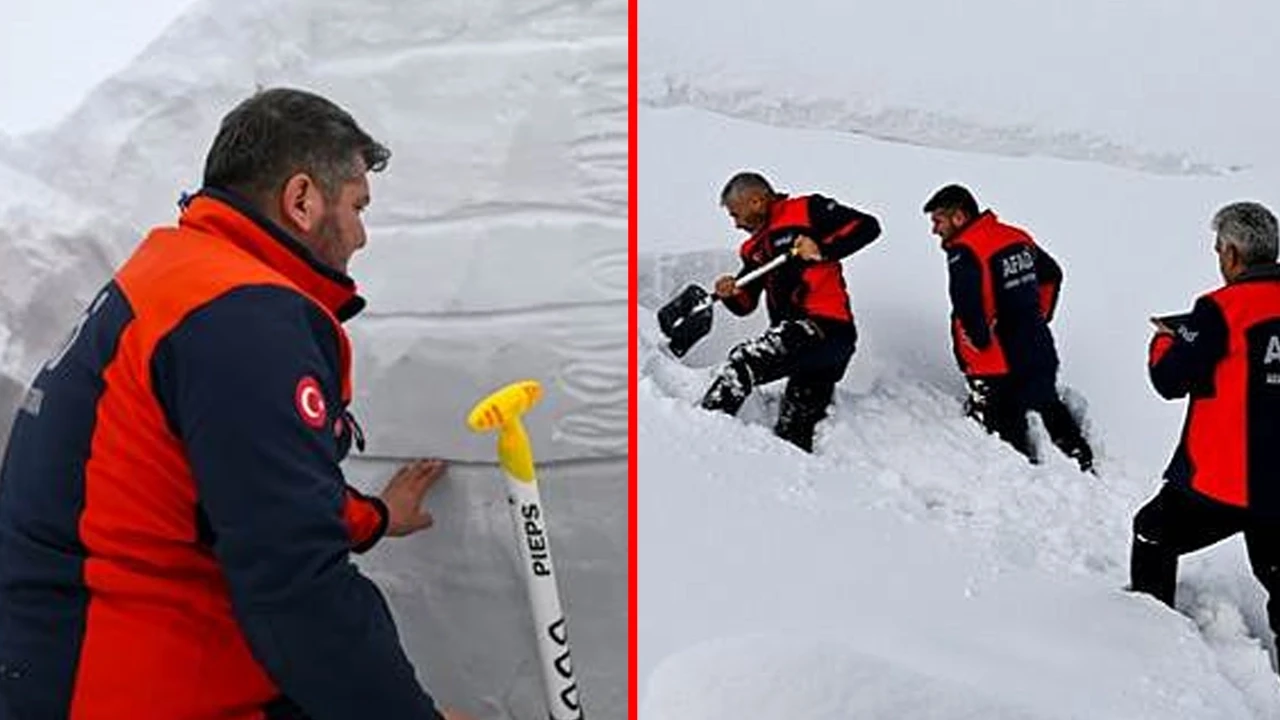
(812,335)
(1224,477)
(175,529)
(1004,290)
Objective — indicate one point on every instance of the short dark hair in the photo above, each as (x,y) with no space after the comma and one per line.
(743,182)
(953,197)
(278,132)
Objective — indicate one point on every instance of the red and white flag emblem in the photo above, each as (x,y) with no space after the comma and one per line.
(310,402)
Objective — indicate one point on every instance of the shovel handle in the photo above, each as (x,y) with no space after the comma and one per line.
(762,270)
(747,278)
(738,283)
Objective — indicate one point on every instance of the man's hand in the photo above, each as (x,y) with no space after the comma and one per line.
(403,497)
(726,286)
(451,714)
(806,248)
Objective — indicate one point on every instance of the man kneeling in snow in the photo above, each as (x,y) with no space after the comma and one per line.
(812,336)
(175,529)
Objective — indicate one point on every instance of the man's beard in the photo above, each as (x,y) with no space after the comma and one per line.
(327,241)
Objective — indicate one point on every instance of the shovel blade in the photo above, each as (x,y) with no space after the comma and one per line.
(686,319)
(677,311)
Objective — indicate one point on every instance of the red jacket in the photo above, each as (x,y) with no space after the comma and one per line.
(801,289)
(175,529)
(1226,357)
(1003,290)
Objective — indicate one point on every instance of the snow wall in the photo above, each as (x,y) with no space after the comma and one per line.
(497,252)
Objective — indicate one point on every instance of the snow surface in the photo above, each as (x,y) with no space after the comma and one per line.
(497,253)
(1087,80)
(914,566)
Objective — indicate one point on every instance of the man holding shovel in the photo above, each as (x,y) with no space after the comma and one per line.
(811,336)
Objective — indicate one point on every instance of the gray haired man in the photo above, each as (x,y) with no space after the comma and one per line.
(1224,355)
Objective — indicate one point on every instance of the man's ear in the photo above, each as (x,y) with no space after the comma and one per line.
(301,203)
(1236,260)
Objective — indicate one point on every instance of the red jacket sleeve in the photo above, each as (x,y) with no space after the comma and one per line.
(365,517)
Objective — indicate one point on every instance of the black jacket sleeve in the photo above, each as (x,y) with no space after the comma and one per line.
(840,230)
(1049,280)
(965,287)
(1186,363)
(744,301)
(1048,271)
(233,378)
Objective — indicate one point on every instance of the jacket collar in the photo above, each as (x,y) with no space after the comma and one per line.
(1267,271)
(776,207)
(229,216)
(984,218)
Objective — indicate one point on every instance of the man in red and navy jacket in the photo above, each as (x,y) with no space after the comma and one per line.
(1004,290)
(175,529)
(812,335)
(1224,355)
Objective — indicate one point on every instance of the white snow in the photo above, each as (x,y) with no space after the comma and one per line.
(497,253)
(49,245)
(1141,83)
(914,566)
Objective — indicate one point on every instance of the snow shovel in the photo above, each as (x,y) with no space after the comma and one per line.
(687,318)
(501,411)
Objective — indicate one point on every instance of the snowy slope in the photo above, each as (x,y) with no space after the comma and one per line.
(497,252)
(838,586)
(915,567)
(1088,80)
(913,564)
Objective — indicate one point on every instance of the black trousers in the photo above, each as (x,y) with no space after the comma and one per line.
(1178,521)
(1001,405)
(812,355)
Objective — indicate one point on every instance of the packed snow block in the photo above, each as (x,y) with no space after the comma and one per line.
(457,594)
(493,265)
(427,350)
(516,266)
(376,24)
(417,377)
(529,132)
(55,254)
(487,106)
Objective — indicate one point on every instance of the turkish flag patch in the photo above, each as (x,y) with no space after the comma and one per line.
(310,402)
